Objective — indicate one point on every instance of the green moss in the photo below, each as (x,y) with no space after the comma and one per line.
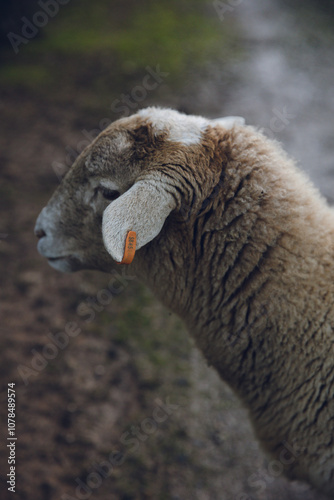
(104,45)
(157,338)
(162,35)
(25,75)
(161,32)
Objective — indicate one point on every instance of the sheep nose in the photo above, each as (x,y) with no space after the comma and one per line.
(40,233)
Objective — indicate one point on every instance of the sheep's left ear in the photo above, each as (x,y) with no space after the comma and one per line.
(143,209)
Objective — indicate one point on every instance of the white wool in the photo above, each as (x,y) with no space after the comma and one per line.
(186,129)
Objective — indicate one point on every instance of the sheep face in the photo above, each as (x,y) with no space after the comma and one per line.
(135,173)
(69,227)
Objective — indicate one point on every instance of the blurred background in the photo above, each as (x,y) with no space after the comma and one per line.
(113,401)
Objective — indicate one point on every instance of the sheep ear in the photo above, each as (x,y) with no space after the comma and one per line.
(143,209)
(229,121)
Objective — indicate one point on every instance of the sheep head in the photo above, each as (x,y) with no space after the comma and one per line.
(135,174)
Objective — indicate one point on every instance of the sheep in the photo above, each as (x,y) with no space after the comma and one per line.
(233,238)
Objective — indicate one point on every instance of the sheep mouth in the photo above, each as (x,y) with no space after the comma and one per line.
(59,260)
(68,256)
(66,263)
(63,258)
(53,259)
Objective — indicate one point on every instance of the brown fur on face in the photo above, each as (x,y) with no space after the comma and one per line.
(245,257)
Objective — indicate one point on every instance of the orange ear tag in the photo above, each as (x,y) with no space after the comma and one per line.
(130,247)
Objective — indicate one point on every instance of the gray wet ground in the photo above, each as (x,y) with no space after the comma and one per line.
(284,81)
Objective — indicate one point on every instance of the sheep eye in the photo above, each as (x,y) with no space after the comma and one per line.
(109,194)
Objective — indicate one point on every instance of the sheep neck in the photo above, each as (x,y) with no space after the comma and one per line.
(241,275)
